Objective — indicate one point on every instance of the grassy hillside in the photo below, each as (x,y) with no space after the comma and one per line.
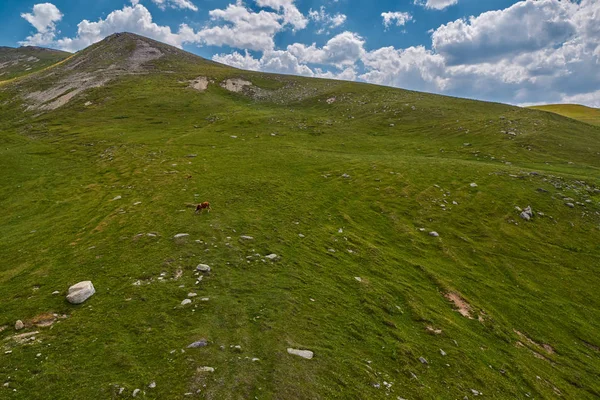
(582,113)
(344,182)
(26,60)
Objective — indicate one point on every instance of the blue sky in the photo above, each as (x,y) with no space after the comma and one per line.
(519,52)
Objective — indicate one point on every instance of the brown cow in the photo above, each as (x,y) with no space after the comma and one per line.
(203,206)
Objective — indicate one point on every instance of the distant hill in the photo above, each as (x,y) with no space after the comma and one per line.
(581,113)
(15,62)
(421,246)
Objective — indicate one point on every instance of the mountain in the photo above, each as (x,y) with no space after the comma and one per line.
(420,246)
(25,60)
(581,113)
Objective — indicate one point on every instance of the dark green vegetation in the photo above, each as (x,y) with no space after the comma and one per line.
(358,177)
(581,113)
(26,60)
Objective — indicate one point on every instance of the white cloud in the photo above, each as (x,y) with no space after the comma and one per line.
(326,20)
(43,18)
(291,14)
(592,99)
(436,4)
(341,50)
(238,60)
(524,27)
(135,19)
(400,18)
(180,4)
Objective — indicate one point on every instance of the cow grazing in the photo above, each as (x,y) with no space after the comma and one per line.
(203,206)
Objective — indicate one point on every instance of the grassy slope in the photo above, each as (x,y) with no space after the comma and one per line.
(18,63)
(575,111)
(60,226)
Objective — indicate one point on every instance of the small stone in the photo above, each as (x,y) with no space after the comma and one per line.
(56,292)
(358,278)
(203,268)
(346,176)
(199,343)
(135,392)
(434,234)
(206,369)
(19,325)
(192,294)
(301,353)
(301,235)
(205,299)
(152,385)
(423,361)
(186,302)
(181,235)
(80,292)
(473,185)
(475,392)
(255,359)
(117,198)
(246,237)
(442,352)
(272,257)
(570,205)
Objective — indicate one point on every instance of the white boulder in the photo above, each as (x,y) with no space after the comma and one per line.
(301,353)
(80,292)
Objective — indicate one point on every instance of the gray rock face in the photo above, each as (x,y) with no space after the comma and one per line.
(80,292)
(203,268)
(19,325)
(301,353)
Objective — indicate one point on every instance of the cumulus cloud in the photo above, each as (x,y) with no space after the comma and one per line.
(524,27)
(291,14)
(180,4)
(436,4)
(341,50)
(136,19)
(326,20)
(397,18)
(43,18)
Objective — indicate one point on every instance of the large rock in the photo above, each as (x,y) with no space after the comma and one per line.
(80,292)
(301,353)
(527,213)
(19,325)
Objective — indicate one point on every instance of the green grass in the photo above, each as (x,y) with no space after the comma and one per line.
(581,113)
(22,61)
(281,177)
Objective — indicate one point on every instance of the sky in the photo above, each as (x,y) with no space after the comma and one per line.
(517,52)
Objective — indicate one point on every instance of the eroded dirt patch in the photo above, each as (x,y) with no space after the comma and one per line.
(235,85)
(543,346)
(460,304)
(200,83)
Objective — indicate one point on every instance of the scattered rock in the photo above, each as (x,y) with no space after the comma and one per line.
(80,292)
(19,325)
(570,205)
(117,198)
(346,176)
(301,236)
(473,185)
(442,352)
(527,213)
(152,385)
(203,268)
(186,302)
(272,257)
(192,294)
(301,353)
(135,392)
(331,100)
(200,83)
(56,292)
(434,234)
(246,237)
(181,235)
(235,85)
(199,343)
(423,360)
(206,369)
(358,278)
